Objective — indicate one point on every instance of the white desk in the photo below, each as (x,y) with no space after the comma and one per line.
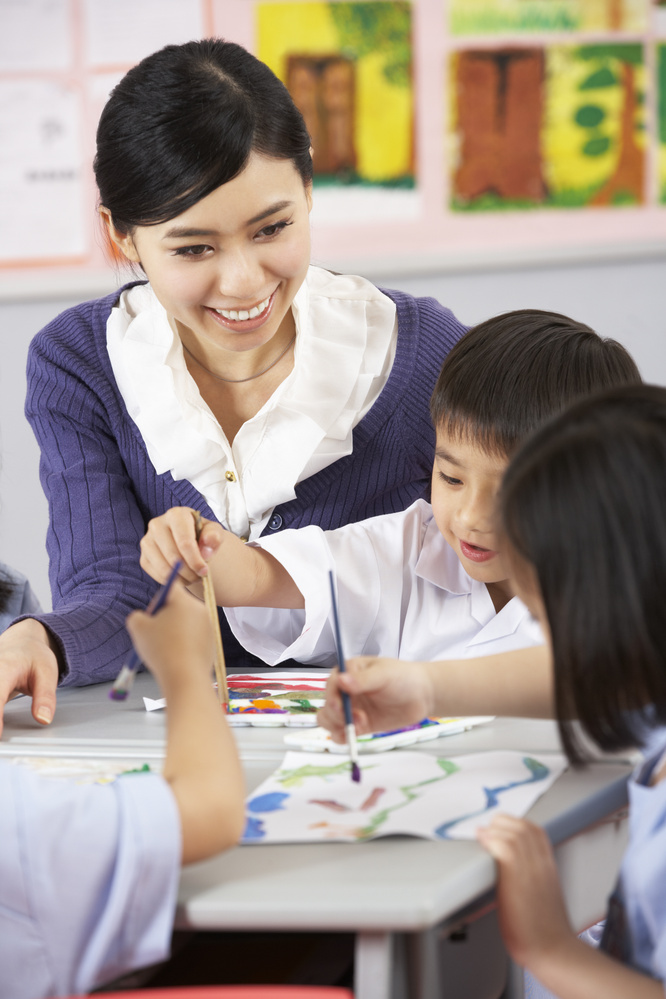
(402,897)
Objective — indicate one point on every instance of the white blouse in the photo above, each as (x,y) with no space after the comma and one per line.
(346,333)
(402,592)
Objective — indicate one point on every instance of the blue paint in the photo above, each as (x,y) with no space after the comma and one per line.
(538,771)
(254,829)
(270,802)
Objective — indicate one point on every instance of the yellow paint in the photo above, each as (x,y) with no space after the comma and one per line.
(661,172)
(565,166)
(383,136)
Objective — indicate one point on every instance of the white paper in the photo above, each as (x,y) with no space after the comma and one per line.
(42,211)
(311,798)
(35,34)
(124,31)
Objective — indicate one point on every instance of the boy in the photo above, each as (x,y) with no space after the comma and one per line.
(429,582)
(89,873)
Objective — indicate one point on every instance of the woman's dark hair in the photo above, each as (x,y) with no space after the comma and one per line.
(184,121)
(510,373)
(582,502)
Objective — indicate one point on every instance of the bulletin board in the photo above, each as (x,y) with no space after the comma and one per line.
(445,134)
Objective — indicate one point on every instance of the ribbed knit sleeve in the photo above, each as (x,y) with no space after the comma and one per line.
(101,489)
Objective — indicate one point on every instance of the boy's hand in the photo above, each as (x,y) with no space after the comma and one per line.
(175,640)
(385,694)
(532,914)
(173,536)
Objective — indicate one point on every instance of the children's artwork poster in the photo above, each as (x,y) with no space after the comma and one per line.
(462,131)
(348,67)
(311,799)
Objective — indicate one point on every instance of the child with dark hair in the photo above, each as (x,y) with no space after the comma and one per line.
(582,509)
(432,581)
(582,523)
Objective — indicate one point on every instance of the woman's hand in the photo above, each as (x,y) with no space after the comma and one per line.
(173,536)
(28,665)
(385,694)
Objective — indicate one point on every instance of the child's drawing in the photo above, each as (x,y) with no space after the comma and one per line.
(418,794)
(661,117)
(488,17)
(561,126)
(348,67)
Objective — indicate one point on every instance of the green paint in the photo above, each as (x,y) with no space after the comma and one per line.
(145,769)
(596,147)
(410,793)
(589,116)
(365,28)
(601,78)
(295,778)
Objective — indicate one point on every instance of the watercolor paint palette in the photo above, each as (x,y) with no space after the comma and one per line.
(270,700)
(318,740)
(311,799)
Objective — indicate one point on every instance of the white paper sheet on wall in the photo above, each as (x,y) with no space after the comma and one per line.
(41,178)
(36,34)
(127,30)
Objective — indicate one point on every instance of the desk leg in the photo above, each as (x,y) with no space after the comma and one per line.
(373,965)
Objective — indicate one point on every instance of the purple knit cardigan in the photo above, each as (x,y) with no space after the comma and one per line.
(103,490)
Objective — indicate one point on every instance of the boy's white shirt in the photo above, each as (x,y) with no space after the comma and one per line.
(402,593)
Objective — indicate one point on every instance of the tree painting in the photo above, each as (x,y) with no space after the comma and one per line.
(484,17)
(620,65)
(499,121)
(348,67)
(560,127)
(661,113)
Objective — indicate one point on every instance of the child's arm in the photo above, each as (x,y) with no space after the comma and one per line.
(201,764)
(389,693)
(534,922)
(243,576)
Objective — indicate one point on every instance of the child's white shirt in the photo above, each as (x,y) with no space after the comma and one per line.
(88,880)
(402,593)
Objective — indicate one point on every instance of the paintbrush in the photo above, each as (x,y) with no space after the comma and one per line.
(125,679)
(350,729)
(211,607)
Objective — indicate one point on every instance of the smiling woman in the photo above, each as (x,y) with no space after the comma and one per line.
(235,378)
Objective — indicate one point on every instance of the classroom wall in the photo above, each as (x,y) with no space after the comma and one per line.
(621,299)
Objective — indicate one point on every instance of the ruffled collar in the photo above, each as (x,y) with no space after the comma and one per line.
(344,344)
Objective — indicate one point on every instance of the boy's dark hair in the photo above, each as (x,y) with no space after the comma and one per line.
(582,502)
(183,121)
(510,373)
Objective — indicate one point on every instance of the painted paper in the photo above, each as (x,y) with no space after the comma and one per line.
(310,799)
(557,126)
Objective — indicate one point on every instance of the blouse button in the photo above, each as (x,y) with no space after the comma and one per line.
(275,523)
(244,538)
(230,477)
